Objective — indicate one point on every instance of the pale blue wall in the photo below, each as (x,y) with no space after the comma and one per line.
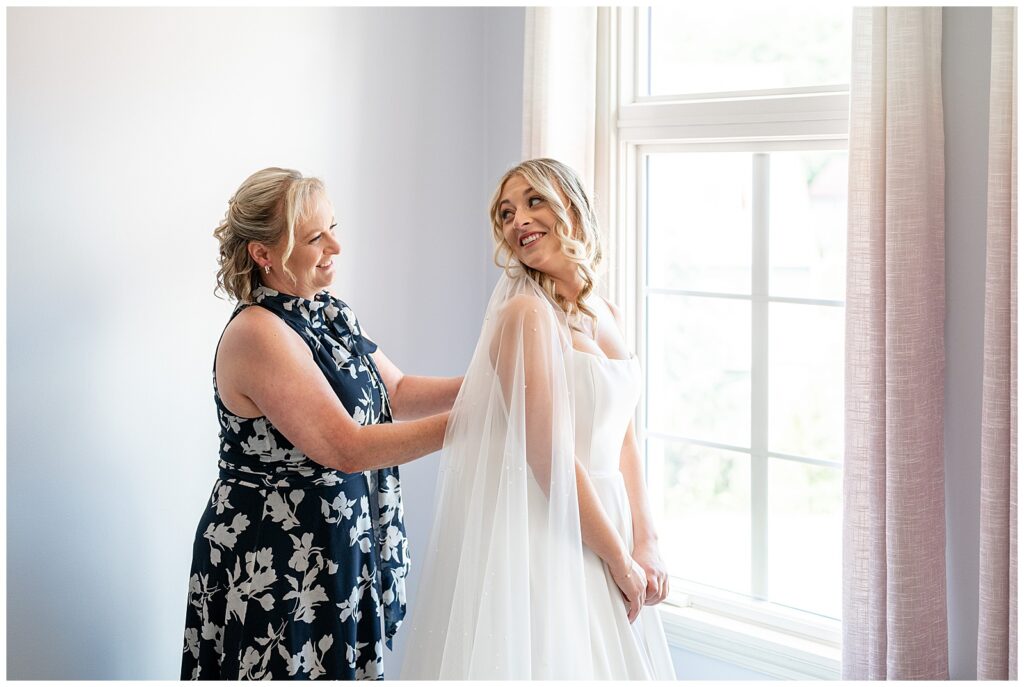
(128,130)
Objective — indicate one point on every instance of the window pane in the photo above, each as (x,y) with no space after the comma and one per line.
(698,368)
(704,524)
(804,536)
(721,47)
(699,221)
(805,380)
(807,220)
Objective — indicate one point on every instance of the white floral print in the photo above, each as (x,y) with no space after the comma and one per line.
(315,556)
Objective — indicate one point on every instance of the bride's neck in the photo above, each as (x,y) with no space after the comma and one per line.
(569,286)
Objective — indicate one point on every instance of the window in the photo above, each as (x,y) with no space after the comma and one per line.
(728,191)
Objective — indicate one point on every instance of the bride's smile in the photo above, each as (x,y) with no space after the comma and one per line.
(527,219)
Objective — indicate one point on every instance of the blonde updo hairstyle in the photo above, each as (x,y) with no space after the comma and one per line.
(264,209)
(575,227)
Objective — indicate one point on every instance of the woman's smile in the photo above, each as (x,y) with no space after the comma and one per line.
(529,239)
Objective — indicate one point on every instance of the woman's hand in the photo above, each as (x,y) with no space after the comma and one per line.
(632,582)
(647,555)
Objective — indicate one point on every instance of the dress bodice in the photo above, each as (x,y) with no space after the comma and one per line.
(252,448)
(606,391)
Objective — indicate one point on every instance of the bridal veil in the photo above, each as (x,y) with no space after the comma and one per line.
(502,592)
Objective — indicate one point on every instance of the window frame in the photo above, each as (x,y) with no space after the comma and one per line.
(758,635)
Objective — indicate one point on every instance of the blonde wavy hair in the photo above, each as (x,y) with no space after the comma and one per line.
(575,226)
(264,209)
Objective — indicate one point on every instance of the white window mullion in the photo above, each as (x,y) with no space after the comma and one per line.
(642,67)
(759,381)
(628,19)
(626,280)
(605,152)
(638,161)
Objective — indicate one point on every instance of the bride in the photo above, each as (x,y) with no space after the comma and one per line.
(543,561)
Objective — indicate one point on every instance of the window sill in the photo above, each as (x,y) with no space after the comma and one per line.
(754,647)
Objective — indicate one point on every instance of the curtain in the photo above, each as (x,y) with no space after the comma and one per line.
(997,596)
(894,581)
(568,106)
(560,86)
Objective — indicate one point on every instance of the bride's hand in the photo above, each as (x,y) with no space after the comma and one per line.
(649,558)
(632,582)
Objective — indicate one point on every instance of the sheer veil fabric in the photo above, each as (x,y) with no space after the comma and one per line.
(502,595)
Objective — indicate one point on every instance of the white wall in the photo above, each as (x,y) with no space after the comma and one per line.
(128,129)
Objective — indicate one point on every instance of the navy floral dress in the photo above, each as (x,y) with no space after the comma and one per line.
(298,570)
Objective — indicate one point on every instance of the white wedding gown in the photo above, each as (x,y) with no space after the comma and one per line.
(607,391)
(508,590)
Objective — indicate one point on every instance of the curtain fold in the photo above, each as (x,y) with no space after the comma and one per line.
(560,86)
(997,594)
(894,581)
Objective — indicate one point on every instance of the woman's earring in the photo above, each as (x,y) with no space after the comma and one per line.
(266,268)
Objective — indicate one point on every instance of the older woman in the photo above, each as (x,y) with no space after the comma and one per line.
(300,557)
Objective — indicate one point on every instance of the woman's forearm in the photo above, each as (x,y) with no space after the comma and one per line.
(597,530)
(390,444)
(417,397)
(636,491)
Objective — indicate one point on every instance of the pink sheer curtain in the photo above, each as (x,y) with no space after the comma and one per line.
(997,597)
(894,582)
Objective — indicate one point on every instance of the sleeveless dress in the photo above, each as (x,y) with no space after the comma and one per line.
(607,391)
(298,570)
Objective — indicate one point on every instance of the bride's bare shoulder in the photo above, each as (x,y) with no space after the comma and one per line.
(522,318)
(524,306)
